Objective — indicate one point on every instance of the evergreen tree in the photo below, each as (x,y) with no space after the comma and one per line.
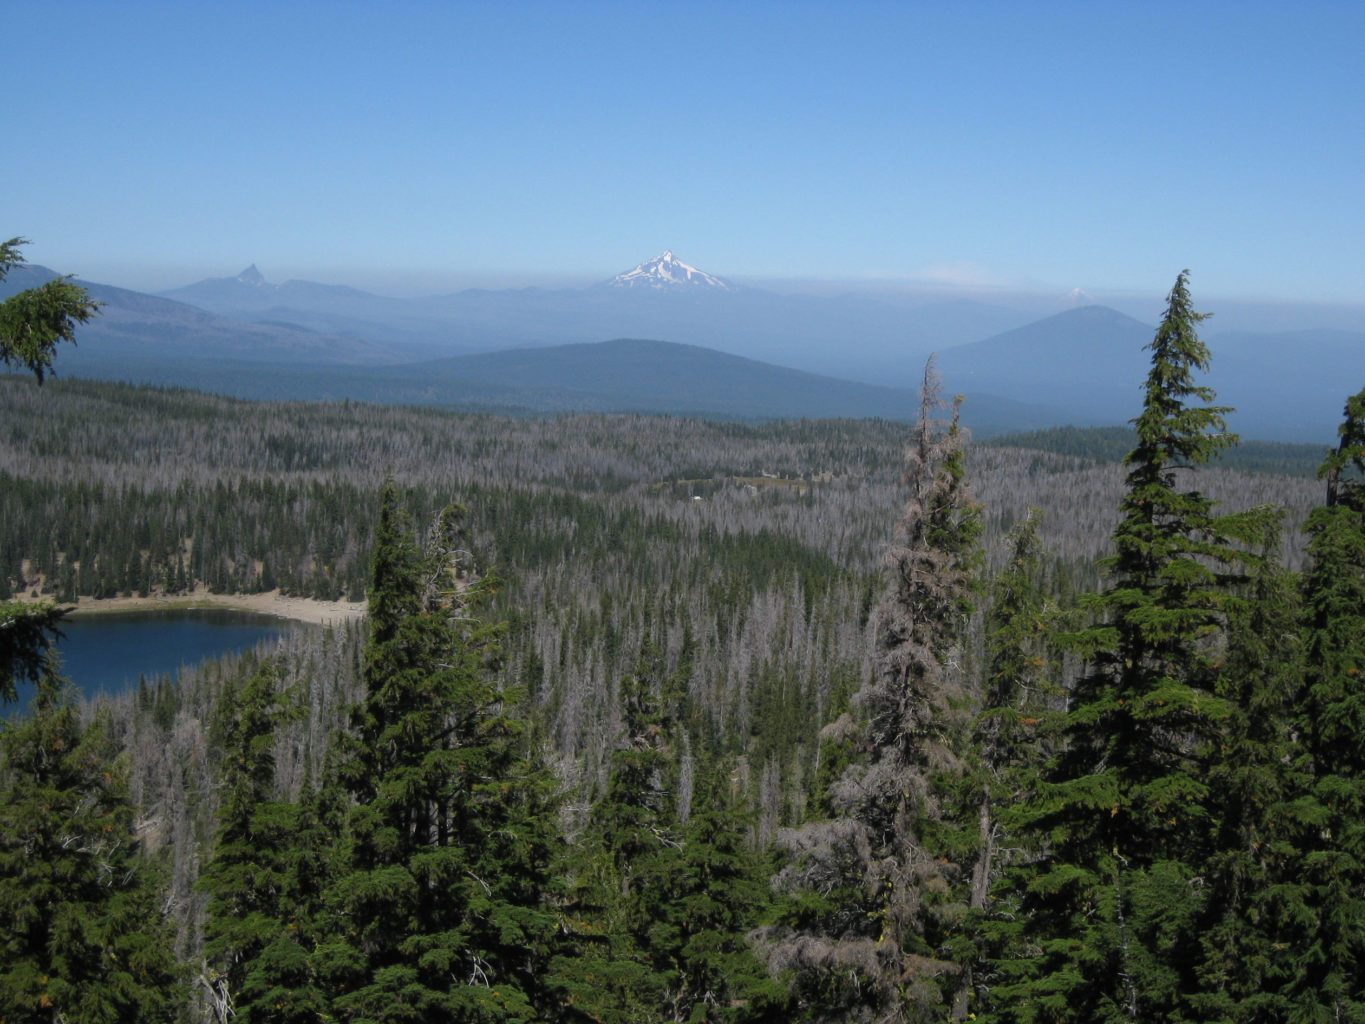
(81,934)
(1124,815)
(1010,740)
(661,907)
(837,750)
(438,895)
(712,890)
(1255,891)
(622,865)
(1329,984)
(877,951)
(312,868)
(26,634)
(35,321)
(32,323)
(257,968)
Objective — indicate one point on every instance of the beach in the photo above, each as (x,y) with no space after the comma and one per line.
(299,609)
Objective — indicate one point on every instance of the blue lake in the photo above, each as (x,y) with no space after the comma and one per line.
(106,653)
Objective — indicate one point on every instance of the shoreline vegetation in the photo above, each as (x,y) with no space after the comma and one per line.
(272,602)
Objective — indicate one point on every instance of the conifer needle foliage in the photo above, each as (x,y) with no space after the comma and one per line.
(32,323)
(36,320)
(877,891)
(256,938)
(82,938)
(438,908)
(1327,981)
(1123,816)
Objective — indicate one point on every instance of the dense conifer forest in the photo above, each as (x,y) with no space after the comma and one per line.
(666,719)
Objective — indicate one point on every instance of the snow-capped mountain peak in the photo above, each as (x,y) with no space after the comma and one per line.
(667,271)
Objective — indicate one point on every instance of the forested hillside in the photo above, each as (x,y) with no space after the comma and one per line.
(740,749)
(1112,444)
(748,552)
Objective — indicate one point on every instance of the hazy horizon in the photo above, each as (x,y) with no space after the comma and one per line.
(1228,312)
(979,149)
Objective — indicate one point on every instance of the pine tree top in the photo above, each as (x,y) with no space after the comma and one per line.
(1171,431)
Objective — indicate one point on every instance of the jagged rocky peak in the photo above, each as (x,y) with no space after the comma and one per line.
(252,276)
(667,271)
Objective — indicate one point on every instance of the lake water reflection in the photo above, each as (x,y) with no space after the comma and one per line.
(106,653)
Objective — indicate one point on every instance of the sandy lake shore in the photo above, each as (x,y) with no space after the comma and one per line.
(299,609)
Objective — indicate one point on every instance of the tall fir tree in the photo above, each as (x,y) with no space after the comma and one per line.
(256,961)
(1123,815)
(1010,740)
(82,938)
(1329,983)
(438,900)
(878,952)
(1256,897)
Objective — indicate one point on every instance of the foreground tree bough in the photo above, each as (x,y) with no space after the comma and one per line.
(32,323)
(35,321)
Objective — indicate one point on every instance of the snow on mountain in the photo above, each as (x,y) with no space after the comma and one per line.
(667,271)
(252,276)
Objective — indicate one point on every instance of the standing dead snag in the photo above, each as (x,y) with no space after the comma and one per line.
(878,891)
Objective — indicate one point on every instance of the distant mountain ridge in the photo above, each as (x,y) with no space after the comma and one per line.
(623,375)
(1093,361)
(137,326)
(847,336)
(1082,366)
(249,291)
(1090,361)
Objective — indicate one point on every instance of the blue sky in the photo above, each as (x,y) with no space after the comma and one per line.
(1021,145)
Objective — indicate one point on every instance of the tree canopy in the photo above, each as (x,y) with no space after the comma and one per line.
(33,322)
(1142,804)
(82,937)
(440,885)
